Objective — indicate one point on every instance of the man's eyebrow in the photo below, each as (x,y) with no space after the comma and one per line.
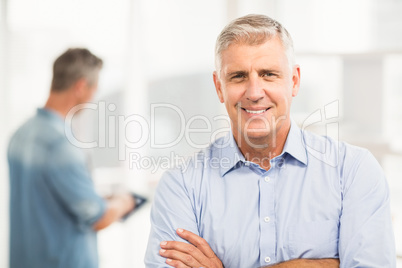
(272,70)
(235,73)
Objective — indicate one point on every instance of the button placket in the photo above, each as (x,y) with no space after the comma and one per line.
(267,220)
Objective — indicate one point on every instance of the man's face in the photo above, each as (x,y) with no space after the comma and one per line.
(257,86)
(90,91)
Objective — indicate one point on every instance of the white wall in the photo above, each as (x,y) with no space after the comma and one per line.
(3,139)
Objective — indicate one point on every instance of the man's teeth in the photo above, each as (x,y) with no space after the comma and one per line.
(255,112)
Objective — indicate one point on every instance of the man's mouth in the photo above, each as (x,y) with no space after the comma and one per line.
(259,111)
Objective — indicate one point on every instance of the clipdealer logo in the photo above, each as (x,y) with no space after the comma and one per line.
(118,125)
(113,132)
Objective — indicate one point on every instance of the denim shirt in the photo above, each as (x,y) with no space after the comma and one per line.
(53,204)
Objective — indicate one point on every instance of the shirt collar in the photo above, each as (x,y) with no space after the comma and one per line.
(230,153)
(294,146)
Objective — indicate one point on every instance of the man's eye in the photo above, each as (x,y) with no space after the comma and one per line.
(238,76)
(268,75)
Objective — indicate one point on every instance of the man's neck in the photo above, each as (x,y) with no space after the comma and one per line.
(262,150)
(61,103)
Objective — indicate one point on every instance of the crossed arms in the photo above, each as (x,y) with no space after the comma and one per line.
(359,236)
(197,253)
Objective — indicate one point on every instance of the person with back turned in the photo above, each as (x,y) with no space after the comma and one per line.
(269,193)
(54,209)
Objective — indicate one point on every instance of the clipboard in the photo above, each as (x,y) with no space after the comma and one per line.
(139,202)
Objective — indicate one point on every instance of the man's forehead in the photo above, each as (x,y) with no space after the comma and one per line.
(268,54)
(252,42)
(245,62)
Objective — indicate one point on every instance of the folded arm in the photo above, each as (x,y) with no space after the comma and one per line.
(199,254)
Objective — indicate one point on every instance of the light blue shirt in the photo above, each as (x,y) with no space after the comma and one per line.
(320,199)
(53,204)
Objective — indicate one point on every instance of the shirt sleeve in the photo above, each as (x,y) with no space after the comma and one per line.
(70,180)
(366,238)
(171,209)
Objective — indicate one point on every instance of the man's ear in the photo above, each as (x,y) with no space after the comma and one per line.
(295,80)
(218,87)
(80,87)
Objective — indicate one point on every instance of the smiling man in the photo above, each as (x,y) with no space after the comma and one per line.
(272,200)
(256,82)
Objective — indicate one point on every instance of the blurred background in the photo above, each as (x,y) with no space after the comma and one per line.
(156,102)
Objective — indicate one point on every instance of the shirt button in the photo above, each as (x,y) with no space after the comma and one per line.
(267,219)
(267,179)
(267,259)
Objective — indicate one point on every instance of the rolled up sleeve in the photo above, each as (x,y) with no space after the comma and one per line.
(69,178)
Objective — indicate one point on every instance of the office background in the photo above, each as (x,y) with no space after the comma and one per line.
(161,52)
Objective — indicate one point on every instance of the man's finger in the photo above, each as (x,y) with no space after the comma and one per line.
(176,263)
(190,252)
(182,247)
(180,258)
(197,241)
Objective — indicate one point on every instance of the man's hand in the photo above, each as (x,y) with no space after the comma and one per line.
(196,254)
(117,207)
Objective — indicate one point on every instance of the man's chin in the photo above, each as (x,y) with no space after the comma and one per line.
(257,134)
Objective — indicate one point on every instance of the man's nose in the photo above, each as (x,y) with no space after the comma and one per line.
(255,89)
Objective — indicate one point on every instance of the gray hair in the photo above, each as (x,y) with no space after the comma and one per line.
(72,65)
(252,30)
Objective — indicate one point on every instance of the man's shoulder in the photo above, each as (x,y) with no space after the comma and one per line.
(195,166)
(41,136)
(203,158)
(40,129)
(333,151)
(356,167)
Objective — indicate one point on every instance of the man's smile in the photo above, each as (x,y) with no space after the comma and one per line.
(255,110)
